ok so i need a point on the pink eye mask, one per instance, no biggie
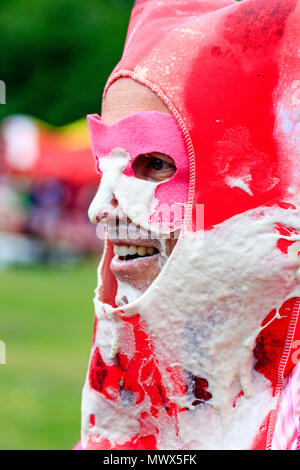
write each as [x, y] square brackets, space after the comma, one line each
[144, 133]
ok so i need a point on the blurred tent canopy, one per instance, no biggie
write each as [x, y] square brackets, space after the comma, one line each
[33, 148]
[57, 54]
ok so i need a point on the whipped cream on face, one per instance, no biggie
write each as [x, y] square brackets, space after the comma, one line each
[111, 168]
[220, 289]
[126, 293]
[231, 280]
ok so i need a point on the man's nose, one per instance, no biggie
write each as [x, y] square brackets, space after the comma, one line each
[108, 212]
[104, 206]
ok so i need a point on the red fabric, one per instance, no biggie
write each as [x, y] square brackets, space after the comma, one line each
[271, 340]
[211, 74]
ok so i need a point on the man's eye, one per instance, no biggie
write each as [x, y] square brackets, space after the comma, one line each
[154, 167]
[157, 164]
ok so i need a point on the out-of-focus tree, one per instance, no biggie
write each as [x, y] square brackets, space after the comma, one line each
[55, 55]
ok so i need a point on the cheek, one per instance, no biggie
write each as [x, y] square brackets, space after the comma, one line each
[153, 206]
[136, 198]
[164, 202]
[159, 207]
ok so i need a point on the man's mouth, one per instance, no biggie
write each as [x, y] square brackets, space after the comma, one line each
[136, 262]
[130, 252]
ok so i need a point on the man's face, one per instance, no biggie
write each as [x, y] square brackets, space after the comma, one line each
[137, 259]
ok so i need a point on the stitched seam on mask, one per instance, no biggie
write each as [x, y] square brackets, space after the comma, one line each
[281, 369]
[181, 123]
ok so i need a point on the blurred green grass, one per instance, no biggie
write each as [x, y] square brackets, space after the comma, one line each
[46, 322]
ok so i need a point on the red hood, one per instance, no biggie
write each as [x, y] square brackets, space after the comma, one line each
[217, 64]
[228, 73]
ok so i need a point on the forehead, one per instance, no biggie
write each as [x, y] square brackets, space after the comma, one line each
[125, 97]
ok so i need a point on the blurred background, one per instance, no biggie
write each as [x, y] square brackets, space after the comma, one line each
[55, 58]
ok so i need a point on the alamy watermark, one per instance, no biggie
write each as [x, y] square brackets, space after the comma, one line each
[296, 353]
[2, 352]
[2, 92]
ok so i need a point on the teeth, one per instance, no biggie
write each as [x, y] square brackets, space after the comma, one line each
[132, 250]
[142, 250]
[124, 250]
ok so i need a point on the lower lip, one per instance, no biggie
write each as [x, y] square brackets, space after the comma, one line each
[132, 266]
